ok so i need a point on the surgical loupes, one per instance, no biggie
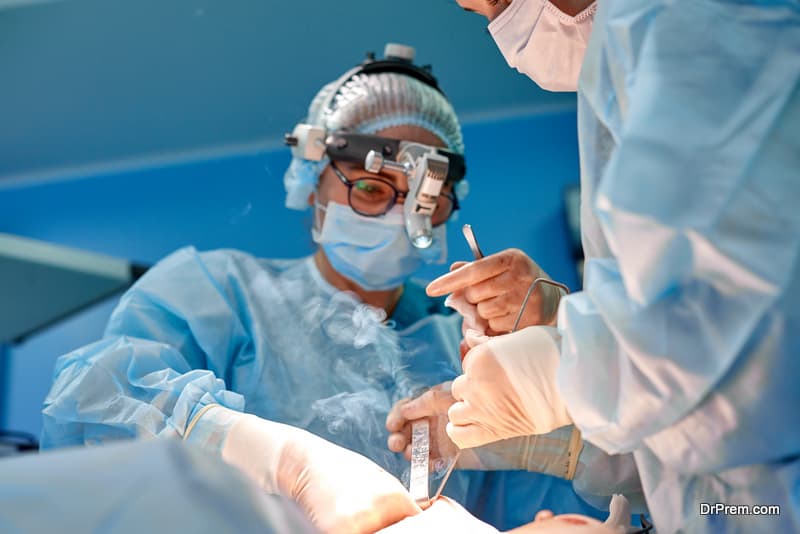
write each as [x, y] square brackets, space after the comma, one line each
[426, 171]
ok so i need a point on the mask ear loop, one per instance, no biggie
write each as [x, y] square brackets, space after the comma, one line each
[316, 224]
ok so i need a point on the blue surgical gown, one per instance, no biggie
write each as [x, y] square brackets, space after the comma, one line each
[689, 125]
[272, 338]
[137, 487]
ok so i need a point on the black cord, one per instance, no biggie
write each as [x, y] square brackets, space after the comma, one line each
[647, 526]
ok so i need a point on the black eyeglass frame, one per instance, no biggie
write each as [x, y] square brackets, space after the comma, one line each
[397, 194]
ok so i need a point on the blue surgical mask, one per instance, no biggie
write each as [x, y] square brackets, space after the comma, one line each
[374, 252]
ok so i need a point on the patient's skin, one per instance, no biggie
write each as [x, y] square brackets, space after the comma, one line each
[547, 523]
[492, 9]
[446, 515]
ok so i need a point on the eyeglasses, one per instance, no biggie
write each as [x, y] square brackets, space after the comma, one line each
[373, 197]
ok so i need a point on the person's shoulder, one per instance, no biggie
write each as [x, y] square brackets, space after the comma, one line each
[218, 270]
[217, 263]
[189, 256]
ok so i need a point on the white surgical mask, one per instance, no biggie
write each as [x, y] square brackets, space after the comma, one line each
[542, 42]
[373, 252]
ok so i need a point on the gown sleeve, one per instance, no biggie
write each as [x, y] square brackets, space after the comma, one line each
[166, 353]
[682, 342]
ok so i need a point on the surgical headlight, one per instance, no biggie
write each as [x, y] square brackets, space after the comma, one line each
[427, 168]
[426, 171]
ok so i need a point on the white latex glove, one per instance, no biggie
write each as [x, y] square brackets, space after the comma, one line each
[508, 389]
[471, 321]
[496, 285]
[444, 515]
[619, 514]
[340, 490]
[555, 453]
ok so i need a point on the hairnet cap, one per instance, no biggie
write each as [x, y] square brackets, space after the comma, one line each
[367, 104]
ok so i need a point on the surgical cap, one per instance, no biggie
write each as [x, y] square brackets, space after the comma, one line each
[367, 104]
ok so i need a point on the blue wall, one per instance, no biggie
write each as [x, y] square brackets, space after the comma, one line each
[518, 169]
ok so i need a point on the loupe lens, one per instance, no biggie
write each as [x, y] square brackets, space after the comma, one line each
[422, 241]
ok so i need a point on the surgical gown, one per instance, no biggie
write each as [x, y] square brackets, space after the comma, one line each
[689, 124]
[137, 487]
[272, 338]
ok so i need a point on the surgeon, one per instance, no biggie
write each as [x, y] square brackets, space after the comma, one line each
[680, 351]
[288, 368]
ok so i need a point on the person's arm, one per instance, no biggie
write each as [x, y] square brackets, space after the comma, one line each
[339, 490]
[600, 475]
[596, 475]
[684, 343]
[554, 453]
[166, 354]
[161, 371]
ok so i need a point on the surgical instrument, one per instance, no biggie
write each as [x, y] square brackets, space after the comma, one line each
[530, 292]
[469, 235]
[418, 485]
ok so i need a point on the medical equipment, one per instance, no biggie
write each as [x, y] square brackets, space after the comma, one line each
[42, 283]
[532, 287]
[426, 171]
[646, 526]
[427, 168]
[12, 443]
[420, 452]
[469, 235]
[373, 252]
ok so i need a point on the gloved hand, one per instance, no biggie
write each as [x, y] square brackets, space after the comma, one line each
[433, 405]
[471, 321]
[508, 389]
[554, 454]
[497, 285]
[444, 515]
[340, 490]
[619, 514]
